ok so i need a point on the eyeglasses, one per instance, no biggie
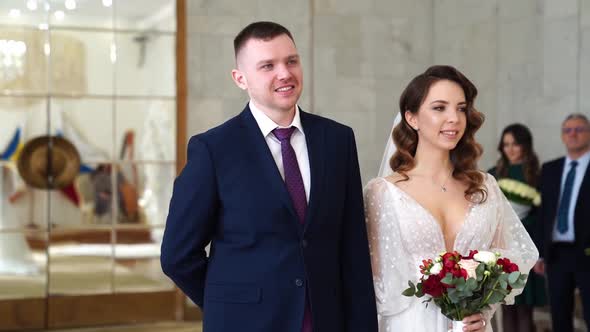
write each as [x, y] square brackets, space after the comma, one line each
[577, 130]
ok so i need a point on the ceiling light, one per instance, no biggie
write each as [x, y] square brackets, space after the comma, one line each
[14, 13]
[43, 26]
[32, 4]
[107, 3]
[59, 15]
[70, 4]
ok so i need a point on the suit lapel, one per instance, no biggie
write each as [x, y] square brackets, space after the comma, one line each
[315, 140]
[584, 192]
[265, 161]
[554, 188]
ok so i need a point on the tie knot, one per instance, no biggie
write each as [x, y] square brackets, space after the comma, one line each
[283, 134]
[574, 163]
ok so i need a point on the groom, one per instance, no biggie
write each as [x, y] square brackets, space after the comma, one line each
[277, 193]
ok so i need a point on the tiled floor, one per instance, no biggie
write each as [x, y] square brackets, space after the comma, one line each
[155, 327]
[541, 317]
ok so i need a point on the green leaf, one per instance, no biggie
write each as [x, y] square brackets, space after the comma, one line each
[419, 292]
[454, 296]
[471, 284]
[410, 291]
[460, 286]
[519, 284]
[480, 269]
[503, 277]
[448, 279]
[496, 297]
[512, 277]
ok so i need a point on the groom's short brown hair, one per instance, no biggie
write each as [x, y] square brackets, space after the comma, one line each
[263, 30]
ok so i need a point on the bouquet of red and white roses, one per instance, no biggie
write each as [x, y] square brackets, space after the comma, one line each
[464, 285]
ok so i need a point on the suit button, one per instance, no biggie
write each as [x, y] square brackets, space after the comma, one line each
[298, 282]
[304, 243]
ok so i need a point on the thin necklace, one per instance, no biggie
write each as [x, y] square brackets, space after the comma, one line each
[443, 186]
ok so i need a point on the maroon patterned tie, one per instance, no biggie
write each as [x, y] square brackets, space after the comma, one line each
[296, 189]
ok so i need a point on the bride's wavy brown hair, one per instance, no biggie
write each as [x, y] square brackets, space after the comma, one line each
[465, 155]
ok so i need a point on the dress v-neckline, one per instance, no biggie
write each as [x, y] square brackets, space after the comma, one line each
[433, 218]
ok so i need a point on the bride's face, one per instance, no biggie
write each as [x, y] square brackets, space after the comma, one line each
[441, 119]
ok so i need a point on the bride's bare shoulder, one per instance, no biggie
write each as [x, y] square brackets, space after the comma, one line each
[395, 178]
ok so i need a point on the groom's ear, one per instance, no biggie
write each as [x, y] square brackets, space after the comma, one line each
[239, 78]
[411, 119]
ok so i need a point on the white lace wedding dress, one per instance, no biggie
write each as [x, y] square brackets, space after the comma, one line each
[402, 233]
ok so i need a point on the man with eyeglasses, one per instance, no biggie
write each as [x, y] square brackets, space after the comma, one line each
[564, 225]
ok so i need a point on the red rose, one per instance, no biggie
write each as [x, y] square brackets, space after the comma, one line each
[450, 260]
[507, 265]
[511, 268]
[448, 265]
[459, 273]
[432, 286]
[471, 254]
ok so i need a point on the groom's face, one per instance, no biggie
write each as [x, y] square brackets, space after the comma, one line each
[270, 71]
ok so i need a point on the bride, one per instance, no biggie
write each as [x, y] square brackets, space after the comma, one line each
[432, 199]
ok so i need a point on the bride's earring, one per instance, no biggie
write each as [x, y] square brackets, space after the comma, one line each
[417, 129]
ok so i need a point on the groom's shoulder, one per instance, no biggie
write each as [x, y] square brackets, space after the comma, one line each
[220, 132]
[328, 124]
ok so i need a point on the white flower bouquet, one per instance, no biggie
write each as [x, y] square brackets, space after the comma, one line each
[519, 192]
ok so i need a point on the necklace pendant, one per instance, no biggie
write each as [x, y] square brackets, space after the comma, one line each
[443, 188]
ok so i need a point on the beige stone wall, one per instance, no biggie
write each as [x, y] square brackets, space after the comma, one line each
[528, 58]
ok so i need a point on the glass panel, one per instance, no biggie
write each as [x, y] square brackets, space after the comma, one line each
[81, 13]
[22, 265]
[24, 13]
[87, 123]
[21, 119]
[23, 60]
[81, 261]
[82, 62]
[145, 190]
[145, 130]
[137, 267]
[87, 203]
[146, 15]
[145, 64]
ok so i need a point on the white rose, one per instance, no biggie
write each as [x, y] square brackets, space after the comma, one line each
[469, 266]
[485, 257]
[436, 268]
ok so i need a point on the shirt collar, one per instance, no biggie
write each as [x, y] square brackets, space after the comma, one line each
[582, 161]
[267, 125]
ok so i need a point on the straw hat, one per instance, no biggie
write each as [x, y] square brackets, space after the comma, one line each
[33, 163]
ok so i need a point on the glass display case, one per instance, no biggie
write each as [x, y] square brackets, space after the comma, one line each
[102, 75]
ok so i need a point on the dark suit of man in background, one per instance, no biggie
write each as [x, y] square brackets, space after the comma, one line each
[277, 193]
[564, 229]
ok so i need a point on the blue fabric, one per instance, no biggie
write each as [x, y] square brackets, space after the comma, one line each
[12, 146]
[566, 196]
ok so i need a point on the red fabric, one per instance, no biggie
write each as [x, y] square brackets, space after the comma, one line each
[71, 194]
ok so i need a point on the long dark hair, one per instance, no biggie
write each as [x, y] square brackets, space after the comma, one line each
[530, 161]
[465, 155]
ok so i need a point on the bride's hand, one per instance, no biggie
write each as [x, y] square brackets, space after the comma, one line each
[475, 322]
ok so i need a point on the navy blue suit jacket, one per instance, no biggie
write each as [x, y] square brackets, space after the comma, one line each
[230, 194]
[550, 184]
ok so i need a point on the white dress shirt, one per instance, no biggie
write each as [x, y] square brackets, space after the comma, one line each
[298, 143]
[583, 161]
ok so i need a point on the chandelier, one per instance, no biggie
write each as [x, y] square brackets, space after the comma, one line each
[12, 58]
